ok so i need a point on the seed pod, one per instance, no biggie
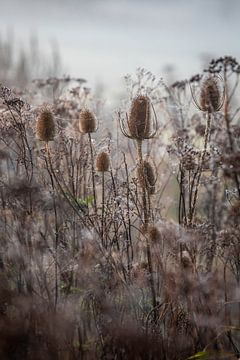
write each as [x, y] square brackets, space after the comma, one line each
[102, 162]
[146, 177]
[45, 126]
[210, 95]
[139, 118]
[87, 122]
[153, 234]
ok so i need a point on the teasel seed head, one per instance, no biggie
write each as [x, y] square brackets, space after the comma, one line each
[139, 121]
[87, 122]
[139, 118]
[146, 176]
[102, 162]
[212, 94]
[45, 126]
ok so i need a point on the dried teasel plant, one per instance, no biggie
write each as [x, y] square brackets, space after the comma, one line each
[102, 165]
[102, 162]
[139, 124]
[88, 125]
[209, 100]
[45, 128]
[87, 122]
[139, 127]
[210, 95]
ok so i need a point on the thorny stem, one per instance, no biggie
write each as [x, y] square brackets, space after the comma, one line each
[200, 168]
[93, 173]
[146, 221]
[144, 197]
[56, 223]
[103, 205]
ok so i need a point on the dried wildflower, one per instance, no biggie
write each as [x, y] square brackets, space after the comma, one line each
[153, 233]
[146, 176]
[45, 126]
[87, 122]
[102, 162]
[211, 94]
[139, 120]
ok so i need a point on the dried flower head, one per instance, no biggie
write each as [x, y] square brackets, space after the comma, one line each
[139, 125]
[146, 176]
[139, 118]
[102, 162]
[211, 94]
[45, 126]
[153, 233]
[87, 122]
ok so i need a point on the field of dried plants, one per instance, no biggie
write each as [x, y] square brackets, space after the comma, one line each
[120, 231]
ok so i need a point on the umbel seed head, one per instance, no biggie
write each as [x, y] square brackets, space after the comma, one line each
[87, 122]
[45, 126]
[139, 118]
[210, 95]
[102, 162]
[146, 176]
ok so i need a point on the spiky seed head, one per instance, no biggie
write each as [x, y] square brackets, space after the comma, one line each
[146, 176]
[153, 234]
[45, 126]
[139, 118]
[87, 122]
[102, 162]
[210, 95]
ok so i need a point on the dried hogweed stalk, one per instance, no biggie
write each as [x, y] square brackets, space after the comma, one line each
[87, 122]
[102, 162]
[45, 126]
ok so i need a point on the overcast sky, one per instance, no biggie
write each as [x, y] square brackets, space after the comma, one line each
[102, 40]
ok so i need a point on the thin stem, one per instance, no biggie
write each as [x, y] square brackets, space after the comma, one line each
[93, 173]
[200, 168]
[48, 159]
[103, 205]
[146, 221]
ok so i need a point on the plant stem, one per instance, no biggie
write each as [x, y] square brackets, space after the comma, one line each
[200, 168]
[93, 173]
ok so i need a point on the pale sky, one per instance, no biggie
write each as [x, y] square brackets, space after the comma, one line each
[102, 40]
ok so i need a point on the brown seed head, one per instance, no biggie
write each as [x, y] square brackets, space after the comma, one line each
[146, 176]
[102, 162]
[139, 118]
[87, 122]
[210, 95]
[153, 234]
[45, 126]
